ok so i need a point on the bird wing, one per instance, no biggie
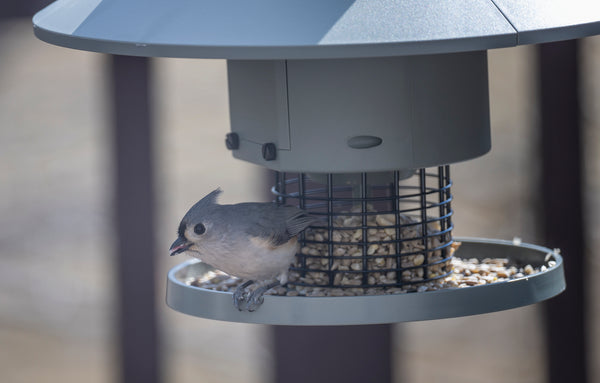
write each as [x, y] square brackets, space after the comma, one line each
[278, 224]
[299, 221]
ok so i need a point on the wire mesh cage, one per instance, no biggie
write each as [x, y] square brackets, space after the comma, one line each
[387, 230]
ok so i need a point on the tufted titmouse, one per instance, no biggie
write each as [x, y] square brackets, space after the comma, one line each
[253, 241]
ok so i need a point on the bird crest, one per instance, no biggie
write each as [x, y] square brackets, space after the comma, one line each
[209, 200]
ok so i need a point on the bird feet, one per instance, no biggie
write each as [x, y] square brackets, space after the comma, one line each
[245, 300]
[241, 295]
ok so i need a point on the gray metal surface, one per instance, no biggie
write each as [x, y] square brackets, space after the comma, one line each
[447, 303]
[277, 29]
[312, 109]
[540, 21]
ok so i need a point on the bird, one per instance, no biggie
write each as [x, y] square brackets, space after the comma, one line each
[254, 241]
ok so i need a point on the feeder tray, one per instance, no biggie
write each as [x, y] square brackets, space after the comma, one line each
[373, 309]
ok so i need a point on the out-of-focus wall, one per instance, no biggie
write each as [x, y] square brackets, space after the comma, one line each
[591, 121]
[55, 265]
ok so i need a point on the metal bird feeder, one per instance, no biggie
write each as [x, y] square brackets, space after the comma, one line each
[359, 106]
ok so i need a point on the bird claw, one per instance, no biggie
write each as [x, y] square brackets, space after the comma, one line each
[244, 300]
[240, 296]
[239, 300]
[254, 301]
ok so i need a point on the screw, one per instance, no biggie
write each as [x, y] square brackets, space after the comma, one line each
[269, 151]
[232, 141]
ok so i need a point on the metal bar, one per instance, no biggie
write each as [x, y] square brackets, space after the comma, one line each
[562, 212]
[423, 187]
[301, 204]
[365, 243]
[134, 213]
[330, 226]
[398, 246]
[333, 354]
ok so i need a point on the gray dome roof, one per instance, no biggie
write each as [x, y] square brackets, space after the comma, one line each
[279, 29]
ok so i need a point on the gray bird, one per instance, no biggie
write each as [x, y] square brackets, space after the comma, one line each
[253, 241]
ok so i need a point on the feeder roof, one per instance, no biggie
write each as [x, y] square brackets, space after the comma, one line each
[295, 29]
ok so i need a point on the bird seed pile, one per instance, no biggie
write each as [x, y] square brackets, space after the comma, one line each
[466, 273]
[373, 261]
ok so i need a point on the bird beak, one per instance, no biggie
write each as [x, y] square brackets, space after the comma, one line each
[179, 246]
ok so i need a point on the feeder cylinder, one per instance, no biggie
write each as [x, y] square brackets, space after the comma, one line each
[360, 115]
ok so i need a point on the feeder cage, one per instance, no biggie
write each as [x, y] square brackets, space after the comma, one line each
[359, 107]
[380, 234]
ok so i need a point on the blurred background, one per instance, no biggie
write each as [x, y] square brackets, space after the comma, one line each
[57, 280]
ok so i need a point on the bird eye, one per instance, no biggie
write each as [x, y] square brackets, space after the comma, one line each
[199, 229]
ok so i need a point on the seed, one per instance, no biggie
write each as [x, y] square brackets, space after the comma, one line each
[502, 274]
[357, 253]
[319, 237]
[356, 266]
[280, 290]
[335, 265]
[337, 279]
[395, 290]
[336, 236]
[528, 270]
[435, 226]
[418, 259]
[349, 222]
[390, 263]
[385, 219]
[372, 248]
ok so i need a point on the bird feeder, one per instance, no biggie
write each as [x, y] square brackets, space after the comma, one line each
[360, 106]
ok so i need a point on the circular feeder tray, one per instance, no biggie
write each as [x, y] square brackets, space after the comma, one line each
[374, 309]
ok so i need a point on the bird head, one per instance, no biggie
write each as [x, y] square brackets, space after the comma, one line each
[196, 225]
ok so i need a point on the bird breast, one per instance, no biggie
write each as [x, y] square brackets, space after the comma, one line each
[257, 259]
